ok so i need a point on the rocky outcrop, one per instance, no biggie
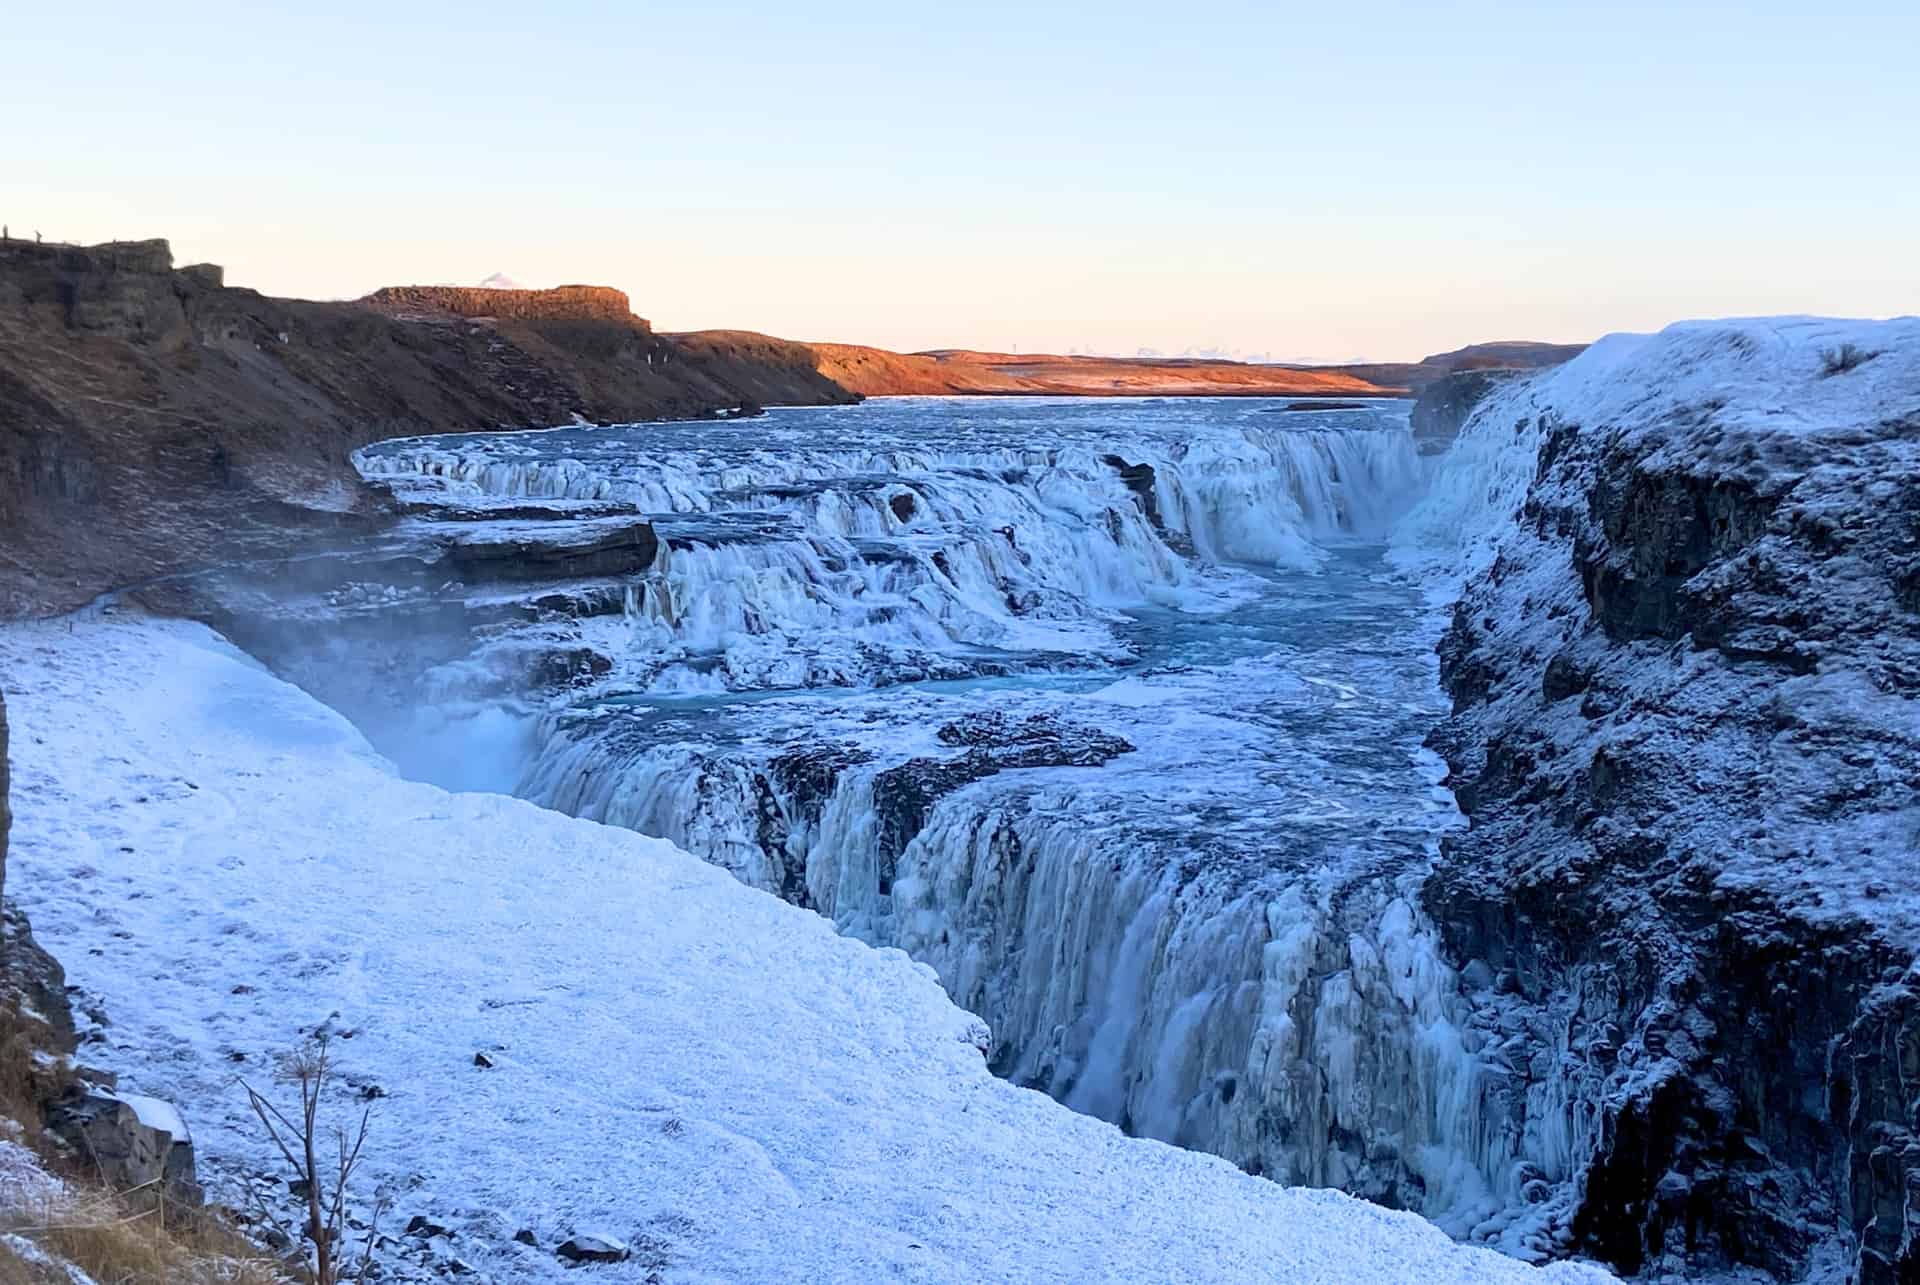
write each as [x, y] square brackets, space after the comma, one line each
[1141, 480]
[1442, 407]
[764, 370]
[153, 420]
[562, 303]
[1686, 730]
[904, 796]
[593, 1247]
[131, 1143]
[6, 808]
[606, 547]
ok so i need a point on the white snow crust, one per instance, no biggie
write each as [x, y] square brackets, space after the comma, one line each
[714, 1077]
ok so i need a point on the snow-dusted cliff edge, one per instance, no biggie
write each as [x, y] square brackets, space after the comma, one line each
[1686, 729]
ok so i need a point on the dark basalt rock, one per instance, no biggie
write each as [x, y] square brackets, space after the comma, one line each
[564, 667]
[555, 553]
[1039, 740]
[1564, 678]
[794, 791]
[1660, 530]
[809, 775]
[1443, 406]
[994, 743]
[1140, 479]
[1744, 1048]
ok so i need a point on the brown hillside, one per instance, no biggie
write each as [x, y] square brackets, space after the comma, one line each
[152, 418]
[876, 372]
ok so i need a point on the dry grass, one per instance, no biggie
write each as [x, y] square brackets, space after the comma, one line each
[116, 1239]
[116, 1242]
[1845, 358]
[126, 1239]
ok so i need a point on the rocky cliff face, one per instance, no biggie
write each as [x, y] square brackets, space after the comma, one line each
[33, 994]
[763, 367]
[6, 808]
[153, 419]
[562, 303]
[1687, 731]
[1442, 408]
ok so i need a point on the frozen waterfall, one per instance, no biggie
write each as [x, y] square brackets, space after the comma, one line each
[1111, 716]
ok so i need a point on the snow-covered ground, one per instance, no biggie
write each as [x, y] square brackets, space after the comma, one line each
[679, 1061]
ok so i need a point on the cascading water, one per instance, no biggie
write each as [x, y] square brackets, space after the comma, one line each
[1111, 714]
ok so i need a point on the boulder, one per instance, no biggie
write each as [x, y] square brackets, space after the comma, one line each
[592, 1247]
[424, 1227]
[135, 1143]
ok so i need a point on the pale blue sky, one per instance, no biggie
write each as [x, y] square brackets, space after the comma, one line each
[1315, 182]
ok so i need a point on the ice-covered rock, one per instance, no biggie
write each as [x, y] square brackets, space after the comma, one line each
[1686, 679]
[1442, 408]
[593, 1247]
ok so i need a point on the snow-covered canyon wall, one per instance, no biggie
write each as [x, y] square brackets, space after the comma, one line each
[1686, 729]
